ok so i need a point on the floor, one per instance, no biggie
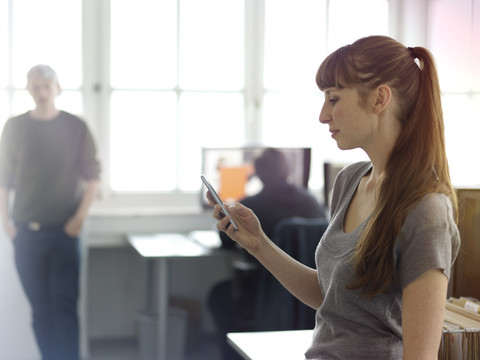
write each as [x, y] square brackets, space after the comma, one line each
[204, 348]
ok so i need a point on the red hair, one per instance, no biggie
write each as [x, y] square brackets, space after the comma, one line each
[417, 165]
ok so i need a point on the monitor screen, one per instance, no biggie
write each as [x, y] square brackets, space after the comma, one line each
[231, 170]
[330, 172]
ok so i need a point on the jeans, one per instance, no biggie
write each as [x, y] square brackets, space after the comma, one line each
[48, 263]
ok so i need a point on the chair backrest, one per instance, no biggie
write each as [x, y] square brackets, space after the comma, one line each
[276, 308]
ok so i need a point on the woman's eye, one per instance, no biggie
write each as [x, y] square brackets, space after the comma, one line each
[333, 101]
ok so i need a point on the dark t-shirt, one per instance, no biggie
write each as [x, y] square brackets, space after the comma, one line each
[45, 163]
[274, 204]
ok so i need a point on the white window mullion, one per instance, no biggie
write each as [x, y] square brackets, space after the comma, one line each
[254, 61]
[10, 87]
[178, 94]
[96, 80]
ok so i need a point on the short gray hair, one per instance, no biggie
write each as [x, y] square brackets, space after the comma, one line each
[43, 71]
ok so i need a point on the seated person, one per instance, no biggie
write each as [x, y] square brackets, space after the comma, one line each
[232, 302]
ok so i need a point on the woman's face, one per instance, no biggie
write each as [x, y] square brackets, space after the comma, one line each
[349, 121]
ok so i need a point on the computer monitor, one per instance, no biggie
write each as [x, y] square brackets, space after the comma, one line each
[231, 170]
[330, 172]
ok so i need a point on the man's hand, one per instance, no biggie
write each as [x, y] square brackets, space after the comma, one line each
[10, 230]
[73, 227]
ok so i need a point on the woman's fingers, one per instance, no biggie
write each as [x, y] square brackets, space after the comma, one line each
[210, 198]
[223, 224]
[217, 212]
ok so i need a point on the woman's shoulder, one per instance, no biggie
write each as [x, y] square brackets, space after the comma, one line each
[429, 239]
[346, 179]
[433, 210]
[354, 170]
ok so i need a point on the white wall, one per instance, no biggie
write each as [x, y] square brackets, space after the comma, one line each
[16, 336]
[17, 341]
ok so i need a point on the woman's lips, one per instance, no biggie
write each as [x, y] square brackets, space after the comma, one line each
[334, 132]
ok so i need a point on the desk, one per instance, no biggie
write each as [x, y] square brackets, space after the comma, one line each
[278, 345]
[161, 248]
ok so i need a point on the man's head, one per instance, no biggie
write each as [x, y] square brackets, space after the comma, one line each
[271, 166]
[42, 84]
[44, 72]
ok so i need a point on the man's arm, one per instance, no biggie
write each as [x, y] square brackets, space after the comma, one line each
[73, 227]
[7, 224]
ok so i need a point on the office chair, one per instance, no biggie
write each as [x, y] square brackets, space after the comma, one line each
[276, 308]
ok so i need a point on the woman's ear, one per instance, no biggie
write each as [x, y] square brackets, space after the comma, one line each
[382, 96]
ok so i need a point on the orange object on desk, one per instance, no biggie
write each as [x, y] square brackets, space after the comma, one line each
[233, 180]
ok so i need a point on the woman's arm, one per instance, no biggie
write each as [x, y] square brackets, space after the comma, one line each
[423, 308]
[300, 280]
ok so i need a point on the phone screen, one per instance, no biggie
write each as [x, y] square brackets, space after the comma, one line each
[218, 200]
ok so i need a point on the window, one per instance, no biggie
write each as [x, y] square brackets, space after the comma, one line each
[35, 33]
[454, 39]
[158, 80]
[177, 81]
[293, 53]
[4, 68]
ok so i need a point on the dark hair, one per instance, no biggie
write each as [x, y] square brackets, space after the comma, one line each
[417, 165]
[271, 166]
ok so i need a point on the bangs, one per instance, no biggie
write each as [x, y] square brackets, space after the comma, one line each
[335, 70]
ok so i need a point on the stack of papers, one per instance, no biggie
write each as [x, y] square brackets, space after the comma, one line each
[461, 334]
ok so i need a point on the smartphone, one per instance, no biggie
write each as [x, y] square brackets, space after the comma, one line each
[218, 200]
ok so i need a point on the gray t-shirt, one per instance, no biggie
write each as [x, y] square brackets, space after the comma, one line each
[46, 164]
[350, 327]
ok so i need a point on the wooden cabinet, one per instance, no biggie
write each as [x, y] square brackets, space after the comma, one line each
[466, 276]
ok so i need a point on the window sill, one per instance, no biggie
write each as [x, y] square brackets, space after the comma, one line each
[147, 205]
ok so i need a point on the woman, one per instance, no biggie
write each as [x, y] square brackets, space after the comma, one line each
[384, 262]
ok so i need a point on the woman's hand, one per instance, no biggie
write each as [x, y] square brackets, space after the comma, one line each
[249, 235]
[300, 280]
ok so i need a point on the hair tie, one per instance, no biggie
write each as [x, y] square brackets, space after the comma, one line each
[412, 52]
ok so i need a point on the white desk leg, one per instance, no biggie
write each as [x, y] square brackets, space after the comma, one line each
[150, 286]
[163, 287]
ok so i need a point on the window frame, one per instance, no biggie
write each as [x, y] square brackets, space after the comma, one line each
[97, 92]
[408, 22]
[97, 105]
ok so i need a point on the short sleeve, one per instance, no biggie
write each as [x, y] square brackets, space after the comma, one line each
[429, 239]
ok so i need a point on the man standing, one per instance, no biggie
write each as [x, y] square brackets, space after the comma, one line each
[48, 160]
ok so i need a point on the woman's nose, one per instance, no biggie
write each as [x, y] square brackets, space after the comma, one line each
[324, 115]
